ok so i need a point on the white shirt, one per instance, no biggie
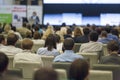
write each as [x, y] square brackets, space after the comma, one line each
[91, 47]
[27, 56]
[10, 50]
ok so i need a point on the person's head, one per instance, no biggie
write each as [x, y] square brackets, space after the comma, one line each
[34, 13]
[12, 39]
[45, 74]
[77, 32]
[57, 37]
[113, 46]
[103, 34]
[27, 44]
[69, 31]
[37, 35]
[50, 42]
[7, 28]
[86, 31]
[24, 24]
[79, 70]
[68, 44]
[3, 62]
[2, 39]
[93, 36]
[115, 32]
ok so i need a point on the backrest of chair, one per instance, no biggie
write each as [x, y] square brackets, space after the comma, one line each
[62, 75]
[76, 47]
[36, 47]
[100, 75]
[10, 65]
[105, 50]
[114, 68]
[62, 65]
[93, 57]
[27, 68]
[47, 61]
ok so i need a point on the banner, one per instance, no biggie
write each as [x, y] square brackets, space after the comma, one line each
[37, 9]
[5, 14]
[18, 13]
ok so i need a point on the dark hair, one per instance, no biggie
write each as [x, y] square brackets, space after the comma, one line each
[37, 35]
[57, 37]
[50, 42]
[69, 31]
[113, 46]
[93, 36]
[13, 28]
[12, 39]
[45, 74]
[2, 38]
[79, 69]
[3, 62]
[68, 44]
[115, 32]
[86, 31]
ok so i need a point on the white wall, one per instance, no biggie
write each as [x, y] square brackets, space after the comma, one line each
[6, 2]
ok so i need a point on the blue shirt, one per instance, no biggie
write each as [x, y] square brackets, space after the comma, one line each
[104, 40]
[113, 37]
[67, 56]
[44, 51]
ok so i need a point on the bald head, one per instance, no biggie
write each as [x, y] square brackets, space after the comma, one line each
[68, 44]
[27, 44]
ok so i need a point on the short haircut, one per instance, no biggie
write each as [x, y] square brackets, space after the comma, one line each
[3, 62]
[79, 69]
[12, 39]
[113, 46]
[69, 31]
[2, 38]
[86, 31]
[68, 44]
[103, 34]
[93, 36]
[37, 35]
[27, 44]
[50, 42]
[45, 74]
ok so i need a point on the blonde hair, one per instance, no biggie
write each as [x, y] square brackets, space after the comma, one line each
[77, 32]
[7, 28]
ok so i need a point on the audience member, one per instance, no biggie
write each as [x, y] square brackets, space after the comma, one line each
[10, 49]
[59, 43]
[2, 41]
[92, 45]
[37, 38]
[3, 64]
[69, 34]
[84, 38]
[113, 57]
[26, 55]
[79, 70]
[103, 38]
[68, 55]
[45, 74]
[77, 33]
[49, 48]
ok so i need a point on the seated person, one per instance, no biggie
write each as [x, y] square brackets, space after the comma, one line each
[68, 55]
[113, 57]
[49, 48]
[92, 45]
[10, 49]
[79, 70]
[26, 55]
[103, 38]
[2, 41]
[45, 74]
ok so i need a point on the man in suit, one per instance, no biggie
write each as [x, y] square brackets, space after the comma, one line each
[113, 57]
[35, 18]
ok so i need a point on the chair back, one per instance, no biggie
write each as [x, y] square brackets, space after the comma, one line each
[76, 47]
[47, 61]
[10, 65]
[62, 75]
[114, 68]
[100, 75]
[27, 68]
[62, 65]
[105, 50]
[36, 47]
[93, 57]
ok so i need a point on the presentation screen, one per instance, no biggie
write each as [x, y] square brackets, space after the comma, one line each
[81, 1]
